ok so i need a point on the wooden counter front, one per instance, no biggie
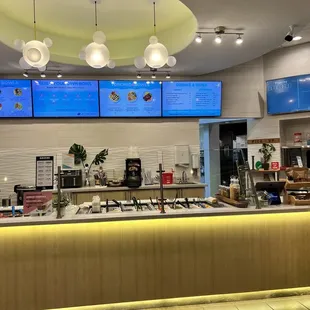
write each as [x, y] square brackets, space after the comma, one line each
[83, 194]
[54, 266]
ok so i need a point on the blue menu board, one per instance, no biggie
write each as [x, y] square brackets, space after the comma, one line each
[58, 98]
[192, 99]
[288, 95]
[130, 99]
[15, 98]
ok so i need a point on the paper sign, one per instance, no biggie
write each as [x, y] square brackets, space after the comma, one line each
[37, 202]
[299, 160]
[68, 161]
[44, 172]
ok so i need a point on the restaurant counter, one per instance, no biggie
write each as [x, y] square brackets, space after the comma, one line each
[109, 258]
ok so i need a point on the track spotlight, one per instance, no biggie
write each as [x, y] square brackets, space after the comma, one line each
[218, 39]
[168, 76]
[59, 75]
[153, 76]
[138, 76]
[43, 75]
[239, 40]
[25, 74]
[198, 38]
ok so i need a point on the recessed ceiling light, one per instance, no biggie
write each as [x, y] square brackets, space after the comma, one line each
[218, 39]
[239, 40]
[43, 75]
[297, 38]
[138, 76]
[198, 38]
[153, 76]
[168, 76]
[59, 75]
[25, 74]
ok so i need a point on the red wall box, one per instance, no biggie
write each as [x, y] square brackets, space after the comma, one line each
[167, 178]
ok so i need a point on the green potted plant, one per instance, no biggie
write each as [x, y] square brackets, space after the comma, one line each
[266, 150]
[80, 155]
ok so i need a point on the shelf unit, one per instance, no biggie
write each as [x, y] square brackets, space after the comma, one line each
[290, 186]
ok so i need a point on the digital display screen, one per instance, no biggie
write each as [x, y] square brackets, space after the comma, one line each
[288, 95]
[58, 98]
[192, 99]
[15, 98]
[130, 99]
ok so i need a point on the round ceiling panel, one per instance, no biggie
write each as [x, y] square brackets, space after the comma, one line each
[126, 24]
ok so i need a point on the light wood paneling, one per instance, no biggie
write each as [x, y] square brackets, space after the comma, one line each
[96, 263]
[193, 192]
[79, 198]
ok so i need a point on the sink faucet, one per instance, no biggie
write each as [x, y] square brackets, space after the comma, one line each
[184, 177]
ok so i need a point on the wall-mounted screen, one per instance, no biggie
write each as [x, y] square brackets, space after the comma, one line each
[288, 95]
[15, 98]
[59, 98]
[192, 99]
[130, 99]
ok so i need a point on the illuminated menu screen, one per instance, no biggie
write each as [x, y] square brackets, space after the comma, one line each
[15, 98]
[55, 98]
[288, 95]
[192, 99]
[130, 99]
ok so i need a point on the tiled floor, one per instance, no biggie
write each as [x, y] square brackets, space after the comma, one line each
[288, 303]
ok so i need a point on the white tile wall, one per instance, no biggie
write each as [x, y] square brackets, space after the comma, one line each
[21, 141]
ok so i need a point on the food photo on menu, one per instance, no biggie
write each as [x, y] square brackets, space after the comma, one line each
[130, 99]
[15, 99]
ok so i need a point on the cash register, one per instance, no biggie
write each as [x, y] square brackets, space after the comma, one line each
[274, 190]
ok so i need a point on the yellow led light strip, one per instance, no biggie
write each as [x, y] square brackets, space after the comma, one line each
[185, 301]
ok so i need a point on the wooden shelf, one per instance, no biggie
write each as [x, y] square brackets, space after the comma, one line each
[293, 186]
[235, 203]
[297, 185]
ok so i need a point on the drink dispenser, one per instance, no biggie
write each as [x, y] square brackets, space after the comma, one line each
[133, 172]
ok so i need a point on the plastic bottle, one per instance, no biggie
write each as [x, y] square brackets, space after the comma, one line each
[231, 188]
[237, 189]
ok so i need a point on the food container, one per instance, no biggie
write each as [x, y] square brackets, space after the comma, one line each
[297, 138]
[167, 178]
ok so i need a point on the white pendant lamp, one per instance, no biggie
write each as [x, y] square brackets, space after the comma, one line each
[35, 53]
[96, 54]
[156, 54]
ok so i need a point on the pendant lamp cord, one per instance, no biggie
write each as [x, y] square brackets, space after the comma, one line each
[96, 16]
[34, 20]
[154, 11]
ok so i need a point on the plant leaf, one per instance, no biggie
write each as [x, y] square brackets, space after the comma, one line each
[78, 151]
[101, 157]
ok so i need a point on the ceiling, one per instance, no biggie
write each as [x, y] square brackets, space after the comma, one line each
[128, 24]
